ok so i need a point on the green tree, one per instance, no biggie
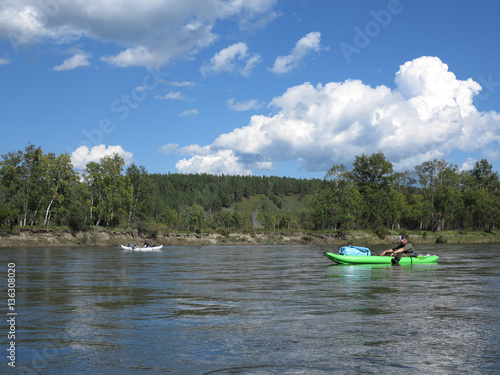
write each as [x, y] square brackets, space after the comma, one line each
[141, 204]
[80, 206]
[34, 170]
[414, 212]
[287, 220]
[447, 197]
[12, 183]
[238, 220]
[110, 191]
[61, 178]
[195, 217]
[373, 176]
[484, 177]
[24, 175]
[224, 219]
[428, 178]
[324, 209]
[169, 216]
[481, 196]
[7, 218]
[373, 171]
[346, 200]
[394, 208]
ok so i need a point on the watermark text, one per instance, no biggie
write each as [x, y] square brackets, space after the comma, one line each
[11, 314]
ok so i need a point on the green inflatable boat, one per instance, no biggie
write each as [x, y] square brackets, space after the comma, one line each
[377, 259]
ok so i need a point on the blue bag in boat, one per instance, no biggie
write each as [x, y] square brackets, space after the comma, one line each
[354, 250]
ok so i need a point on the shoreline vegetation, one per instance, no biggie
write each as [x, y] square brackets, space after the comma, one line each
[45, 201]
[99, 237]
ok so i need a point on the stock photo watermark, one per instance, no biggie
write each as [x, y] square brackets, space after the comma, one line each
[363, 36]
[489, 87]
[37, 18]
[122, 108]
[11, 314]
[39, 359]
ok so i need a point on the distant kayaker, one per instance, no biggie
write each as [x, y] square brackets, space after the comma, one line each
[145, 244]
[404, 249]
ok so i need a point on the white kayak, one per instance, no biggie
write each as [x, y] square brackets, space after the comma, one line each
[140, 248]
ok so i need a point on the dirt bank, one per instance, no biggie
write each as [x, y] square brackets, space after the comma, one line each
[34, 237]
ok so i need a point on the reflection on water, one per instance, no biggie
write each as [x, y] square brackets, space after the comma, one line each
[254, 310]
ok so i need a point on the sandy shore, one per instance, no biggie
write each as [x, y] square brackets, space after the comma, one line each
[34, 237]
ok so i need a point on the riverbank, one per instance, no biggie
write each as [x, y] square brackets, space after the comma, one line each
[98, 237]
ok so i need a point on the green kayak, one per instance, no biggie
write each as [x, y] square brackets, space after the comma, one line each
[377, 259]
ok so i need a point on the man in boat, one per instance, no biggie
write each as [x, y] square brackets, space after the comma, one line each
[404, 249]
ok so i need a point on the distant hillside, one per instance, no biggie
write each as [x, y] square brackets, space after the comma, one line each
[44, 190]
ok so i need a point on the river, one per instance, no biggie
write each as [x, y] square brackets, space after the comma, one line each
[249, 310]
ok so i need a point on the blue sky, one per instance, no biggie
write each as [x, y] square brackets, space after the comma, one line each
[261, 87]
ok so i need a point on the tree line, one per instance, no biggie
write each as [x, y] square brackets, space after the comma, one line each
[38, 189]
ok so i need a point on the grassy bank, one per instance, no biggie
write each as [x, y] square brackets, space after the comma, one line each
[34, 237]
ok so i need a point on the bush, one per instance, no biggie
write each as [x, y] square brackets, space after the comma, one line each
[223, 232]
[76, 219]
[441, 239]
[7, 219]
[341, 234]
[145, 229]
[381, 232]
[88, 239]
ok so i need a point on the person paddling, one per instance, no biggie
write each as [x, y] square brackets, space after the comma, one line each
[404, 249]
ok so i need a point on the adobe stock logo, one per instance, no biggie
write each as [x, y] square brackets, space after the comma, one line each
[364, 36]
[121, 107]
[36, 18]
[489, 87]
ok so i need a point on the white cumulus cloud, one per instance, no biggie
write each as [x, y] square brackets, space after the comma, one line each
[221, 162]
[427, 115]
[169, 148]
[82, 155]
[243, 106]
[79, 59]
[150, 33]
[188, 112]
[232, 59]
[306, 45]
[172, 95]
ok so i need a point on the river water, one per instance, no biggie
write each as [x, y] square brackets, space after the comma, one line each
[250, 310]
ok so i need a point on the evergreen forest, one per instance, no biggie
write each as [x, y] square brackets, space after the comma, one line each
[39, 189]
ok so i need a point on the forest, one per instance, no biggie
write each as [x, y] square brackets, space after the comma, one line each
[38, 189]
